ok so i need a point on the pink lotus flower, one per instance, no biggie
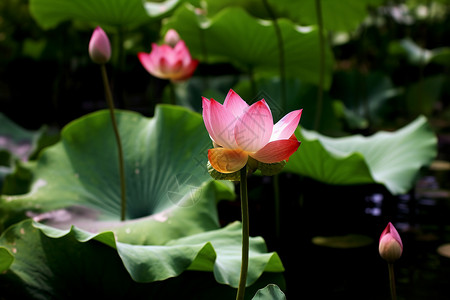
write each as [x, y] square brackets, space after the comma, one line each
[390, 244]
[99, 47]
[241, 131]
[166, 62]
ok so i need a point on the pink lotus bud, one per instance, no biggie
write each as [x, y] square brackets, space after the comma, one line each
[166, 62]
[99, 47]
[390, 245]
[171, 38]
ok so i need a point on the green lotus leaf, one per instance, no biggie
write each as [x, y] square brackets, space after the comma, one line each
[344, 15]
[389, 158]
[249, 43]
[172, 224]
[50, 13]
[227, 269]
[6, 259]
[270, 292]
[76, 181]
[62, 264]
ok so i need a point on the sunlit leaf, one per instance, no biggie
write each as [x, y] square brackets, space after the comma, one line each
[50, 13]
[63, 264]
[250, 43]
[389, 158]
[172, 224]
[165, 164]
[270, 292]
[343, 15]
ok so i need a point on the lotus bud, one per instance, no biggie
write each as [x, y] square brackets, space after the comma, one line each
[390, 244]
[99, 47]
[171, 38]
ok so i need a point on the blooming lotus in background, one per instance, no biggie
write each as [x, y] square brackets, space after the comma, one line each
[240, 132]
[390, 244]
[99, 46]
[166, 62]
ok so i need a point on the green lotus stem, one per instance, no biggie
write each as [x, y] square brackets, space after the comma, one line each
[321, 66]
[392, 281]
[276, 190]
[282, 69]
[118, 74]
[109, 100]
[251, 77]
[245, 234]
[281, 59]
[172, 92]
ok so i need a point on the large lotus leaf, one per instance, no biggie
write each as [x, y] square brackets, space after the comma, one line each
[389, 158]
[76, 181]
[18, 141]
[170, 196]
[63, 264]
[270, 292]
[338, 15]
[49, 13]
[250, 43]
[342, 15]
[227, 269]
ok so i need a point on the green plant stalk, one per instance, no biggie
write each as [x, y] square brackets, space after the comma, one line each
[251, 77]
[282, 70]
[109, 100]
[321, 66]
[276, 190]
[118, 74]
[172, 92]
[392, 281]
[281, 59]
[245, 234]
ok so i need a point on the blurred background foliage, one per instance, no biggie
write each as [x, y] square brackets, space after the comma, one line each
[388, 60]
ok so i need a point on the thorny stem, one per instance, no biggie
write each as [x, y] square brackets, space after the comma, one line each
[321, 66]
[110, 102]
[245, 234]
